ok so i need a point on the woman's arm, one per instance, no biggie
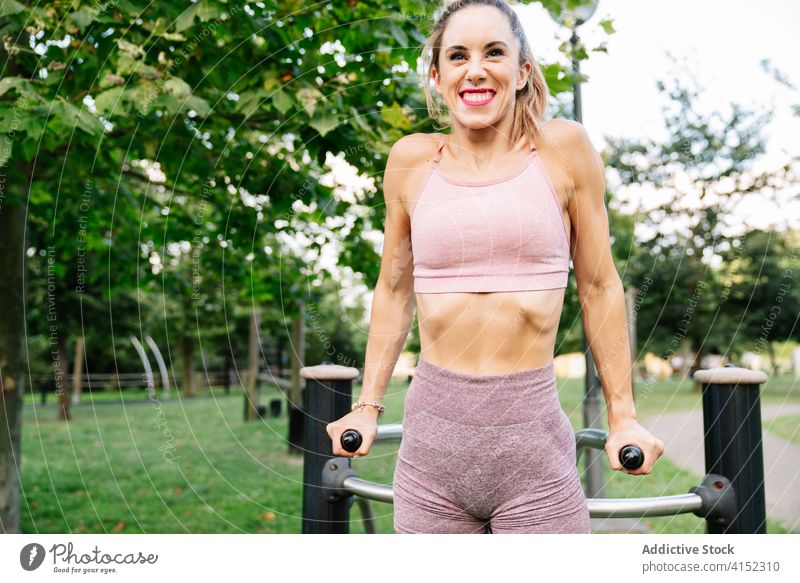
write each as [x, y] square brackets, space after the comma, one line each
[601, 294]
[393, 300]
[599, 286]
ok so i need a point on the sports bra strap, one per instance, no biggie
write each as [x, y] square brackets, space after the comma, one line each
[438, 155]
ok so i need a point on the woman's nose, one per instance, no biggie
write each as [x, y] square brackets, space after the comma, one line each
[475, 69]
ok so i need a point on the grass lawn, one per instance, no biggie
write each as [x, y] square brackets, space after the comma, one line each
[193, 465]
[787, 427]
[129, 394]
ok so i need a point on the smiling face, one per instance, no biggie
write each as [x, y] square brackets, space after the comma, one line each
[479, 72]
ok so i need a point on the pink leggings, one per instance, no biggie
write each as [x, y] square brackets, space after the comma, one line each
[487, 454]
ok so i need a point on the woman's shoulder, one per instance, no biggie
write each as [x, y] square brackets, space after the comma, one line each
[406, 168]
[565, 133]
[567, 141]
[416, 149]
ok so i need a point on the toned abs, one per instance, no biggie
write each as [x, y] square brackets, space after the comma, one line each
[487, 333]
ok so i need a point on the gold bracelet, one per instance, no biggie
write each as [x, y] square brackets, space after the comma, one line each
[361, 404]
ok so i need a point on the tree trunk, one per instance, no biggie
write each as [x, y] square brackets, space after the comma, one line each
[772, 358]
[298, 356]
[251, 396]
[12, 350]
[187, 353]
[77, 370]
[62, 390]
[697, 364]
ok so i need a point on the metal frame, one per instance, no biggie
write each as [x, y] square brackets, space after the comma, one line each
[713, 499]
[730, 496]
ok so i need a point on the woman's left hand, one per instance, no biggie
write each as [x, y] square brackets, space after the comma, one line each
[629, 432]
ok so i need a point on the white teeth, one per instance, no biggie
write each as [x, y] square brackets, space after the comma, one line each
[477, 96]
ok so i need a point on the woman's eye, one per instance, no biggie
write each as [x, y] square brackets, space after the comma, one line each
[499, 51]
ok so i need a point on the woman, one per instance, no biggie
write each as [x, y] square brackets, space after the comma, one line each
[480, 227]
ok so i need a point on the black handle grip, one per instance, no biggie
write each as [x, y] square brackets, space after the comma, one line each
[631, 457]
[351, 440]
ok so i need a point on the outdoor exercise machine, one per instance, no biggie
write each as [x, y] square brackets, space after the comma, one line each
[730, 497]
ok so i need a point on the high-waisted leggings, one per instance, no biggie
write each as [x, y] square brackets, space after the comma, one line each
[487, 454]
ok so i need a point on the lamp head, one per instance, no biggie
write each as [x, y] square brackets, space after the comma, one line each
[573, 13]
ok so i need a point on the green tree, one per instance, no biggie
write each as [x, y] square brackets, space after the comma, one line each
[761, 290]
[162, 111]
[703, 169]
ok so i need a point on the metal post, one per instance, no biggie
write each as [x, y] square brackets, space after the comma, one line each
[296, 429]
[328, 396]
[162, 366]
[148, 370]
[595, 478]
[732, 425]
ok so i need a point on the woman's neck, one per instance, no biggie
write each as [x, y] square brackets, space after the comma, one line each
[481, 149]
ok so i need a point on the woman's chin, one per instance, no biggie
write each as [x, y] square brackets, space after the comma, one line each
[475, 122]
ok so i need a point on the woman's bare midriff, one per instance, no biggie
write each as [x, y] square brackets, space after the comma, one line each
[493, 332]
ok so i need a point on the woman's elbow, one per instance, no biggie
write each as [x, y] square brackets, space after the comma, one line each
[401, 291]
[600, 287]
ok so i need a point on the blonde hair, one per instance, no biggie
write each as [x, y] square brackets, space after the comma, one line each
[532, 99]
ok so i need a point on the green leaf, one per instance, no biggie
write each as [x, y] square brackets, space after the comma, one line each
[357, 118]
[23, 87]
[324, 123]
[199, 105]
[399, 35]
[308, 98]
[282, 101]
[207, 10]
[141, 96]
[75, 117]
[129, 48]
[608, 26]
[108, 100]
[5, 151]
[177, 87]
[249, 102]
[127, 65]
[82, 18]
[168, 102]
[40, 196]
[131, 8]
[557, 81]
[175, 36]
[19, 120]
[9, 7]
[270, 79]
[396, 115]
[186, 19]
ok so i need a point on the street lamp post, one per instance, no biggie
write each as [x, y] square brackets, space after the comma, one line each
[574, 17]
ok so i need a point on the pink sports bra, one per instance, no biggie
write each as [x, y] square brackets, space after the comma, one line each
[496, 235]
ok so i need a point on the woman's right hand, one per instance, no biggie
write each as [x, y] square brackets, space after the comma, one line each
[363, 420]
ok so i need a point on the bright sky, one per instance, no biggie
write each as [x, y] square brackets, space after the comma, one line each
[722, 43]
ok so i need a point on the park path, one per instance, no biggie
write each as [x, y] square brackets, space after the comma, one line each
[682, 434]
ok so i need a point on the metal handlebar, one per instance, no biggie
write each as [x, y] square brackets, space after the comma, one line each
[710, 499]
[631, 456]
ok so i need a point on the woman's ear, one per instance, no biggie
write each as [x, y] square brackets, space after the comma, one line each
[524, 72]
